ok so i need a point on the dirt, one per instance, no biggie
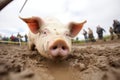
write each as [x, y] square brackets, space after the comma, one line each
[95, 61]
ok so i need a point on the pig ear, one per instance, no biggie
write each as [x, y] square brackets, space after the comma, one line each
[75, 28]
[33, 23]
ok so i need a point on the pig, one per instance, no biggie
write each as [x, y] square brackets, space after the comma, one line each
[51, 38]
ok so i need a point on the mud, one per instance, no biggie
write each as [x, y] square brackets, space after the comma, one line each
[97, 61]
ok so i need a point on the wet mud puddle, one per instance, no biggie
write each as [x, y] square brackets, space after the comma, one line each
[61, 71]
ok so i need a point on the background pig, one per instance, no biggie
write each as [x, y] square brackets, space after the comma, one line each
[51, 38]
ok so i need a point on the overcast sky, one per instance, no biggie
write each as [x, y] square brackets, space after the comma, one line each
[96, 12]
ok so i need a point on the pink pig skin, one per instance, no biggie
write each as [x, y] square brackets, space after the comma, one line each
[51, 38]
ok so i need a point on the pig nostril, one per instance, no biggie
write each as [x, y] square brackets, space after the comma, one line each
[63, 47]
[54, 47]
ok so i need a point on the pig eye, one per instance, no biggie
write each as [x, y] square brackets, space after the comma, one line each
[45, 32]
[67, 34]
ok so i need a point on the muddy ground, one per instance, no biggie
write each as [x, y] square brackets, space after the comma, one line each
[90, 61]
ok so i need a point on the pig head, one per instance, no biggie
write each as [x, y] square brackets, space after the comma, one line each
[51, 38]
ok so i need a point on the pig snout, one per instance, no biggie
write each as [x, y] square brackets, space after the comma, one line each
[59, 48]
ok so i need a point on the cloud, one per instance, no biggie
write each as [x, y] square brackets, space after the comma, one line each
[43, 7]
[96, 12]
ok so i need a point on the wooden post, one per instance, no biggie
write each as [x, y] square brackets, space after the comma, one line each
[4, 3]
